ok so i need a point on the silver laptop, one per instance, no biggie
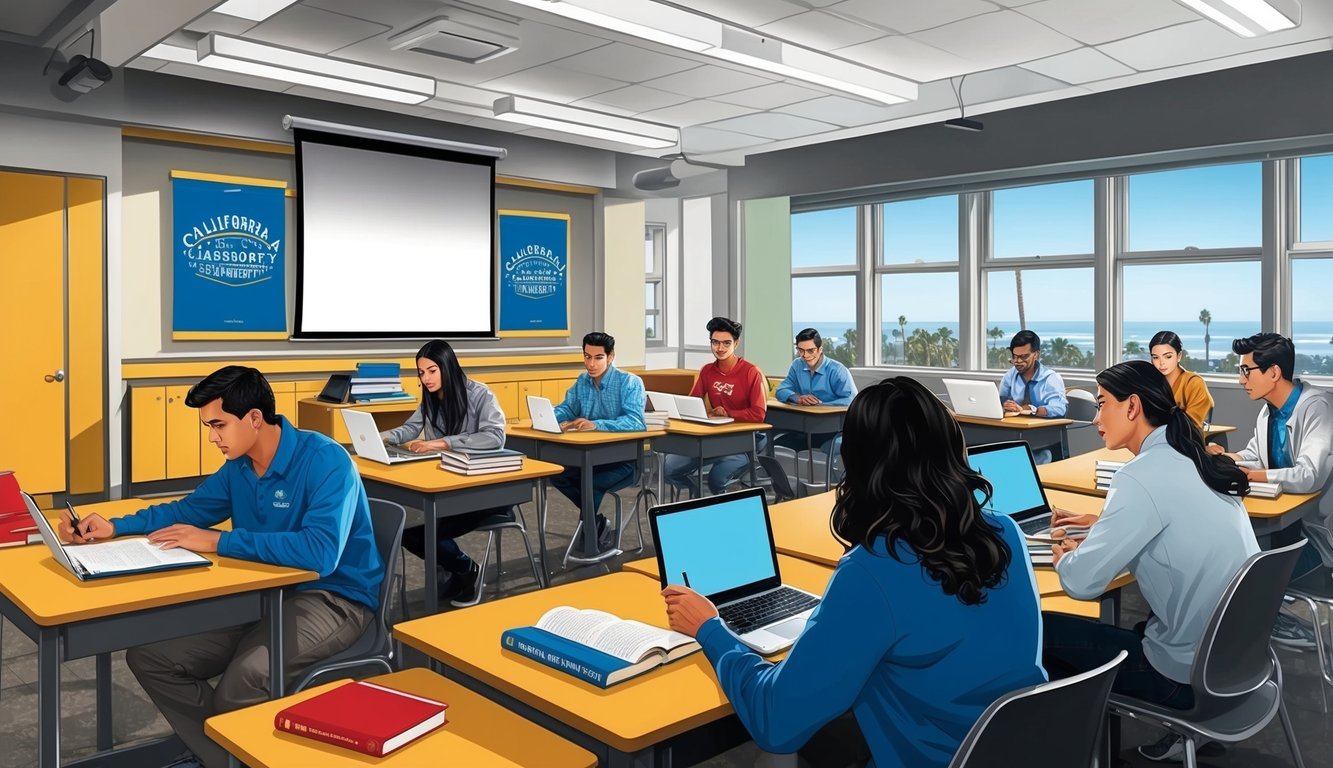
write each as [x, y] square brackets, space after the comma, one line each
[664, 402]
[368, 444]
[722, 547]
[975, 398]
[693, 409]
[543, 415]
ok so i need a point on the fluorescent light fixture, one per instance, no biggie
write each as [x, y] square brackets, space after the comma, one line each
[1249, 18]
[585, 122]
[680, 28]
[232, 54]
[254, 10]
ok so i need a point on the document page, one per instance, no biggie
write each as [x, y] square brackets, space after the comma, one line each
[128, 555]
[628, 640]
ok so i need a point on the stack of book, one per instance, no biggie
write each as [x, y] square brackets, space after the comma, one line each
[1265, 490]
[471, 461]
[1105, 471]
[655, 419]
[378, 382]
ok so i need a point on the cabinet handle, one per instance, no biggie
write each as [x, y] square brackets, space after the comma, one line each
[171, 399]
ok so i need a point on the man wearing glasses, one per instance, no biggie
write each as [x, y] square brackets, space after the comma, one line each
[1292, 443]
[1030, 388]
[813, 379]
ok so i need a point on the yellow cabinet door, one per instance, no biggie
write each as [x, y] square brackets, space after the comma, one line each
[554, 390]
[182, 434]
[148, 434]
[506, 394]
[526, 388]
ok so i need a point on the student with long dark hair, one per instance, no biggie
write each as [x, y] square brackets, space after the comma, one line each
[1173, 518]
[931, 615]
[1187, 387]
[455, 412]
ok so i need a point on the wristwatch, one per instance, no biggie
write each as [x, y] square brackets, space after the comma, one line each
[1032, 410]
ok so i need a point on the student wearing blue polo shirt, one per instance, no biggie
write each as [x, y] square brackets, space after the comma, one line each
[1030, 388]
[813, 379]
[294, 499]
[606, 398]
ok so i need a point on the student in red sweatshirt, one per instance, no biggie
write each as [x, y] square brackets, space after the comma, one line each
[731, 386]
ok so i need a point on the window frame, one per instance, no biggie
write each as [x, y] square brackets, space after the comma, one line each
[657, 232]
[853, 270]
[881, 269]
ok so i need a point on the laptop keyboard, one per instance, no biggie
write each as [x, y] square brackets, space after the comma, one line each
[761, 610]
[400, 452]
[1035, 525]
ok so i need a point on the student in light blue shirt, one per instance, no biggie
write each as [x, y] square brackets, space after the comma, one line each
[1030, 388]
[931, 615]
[813, 379]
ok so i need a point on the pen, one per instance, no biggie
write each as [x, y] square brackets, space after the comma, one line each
[686, 576]
[73, 519]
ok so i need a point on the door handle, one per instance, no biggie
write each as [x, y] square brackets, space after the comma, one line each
[57, 376]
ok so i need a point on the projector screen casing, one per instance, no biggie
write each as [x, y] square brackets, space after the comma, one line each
[395, 241]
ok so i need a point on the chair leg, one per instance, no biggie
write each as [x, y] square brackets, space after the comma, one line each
[569, 548]
[1289, 732]
[499, 558]
[481, 575]
[1191, 758]
[402, 589]
[536, 572]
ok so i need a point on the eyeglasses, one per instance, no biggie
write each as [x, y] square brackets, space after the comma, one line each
[807, 352]
[724, 343]
[1244, 370]
[1022, 358]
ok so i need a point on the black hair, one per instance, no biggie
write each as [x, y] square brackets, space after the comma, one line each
[1026, 337]
[807, 334]
[724, 325]
[1269, 349]
[1168, 338]
[907, 479]
[1139, 377]
[242, 390]
[598, 339]
[447, 411]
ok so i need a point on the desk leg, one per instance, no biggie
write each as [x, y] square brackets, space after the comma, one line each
[276, 676]
[541, 531]
[430, 530]
[589, 510]
[48, 698]
[103, 676]
[809, 456]
[1064, 443]
[699, 479]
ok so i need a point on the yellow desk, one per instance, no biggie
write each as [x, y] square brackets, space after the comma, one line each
[440, 492]
[632, 723]
[69, 619]
[319, 416]
[1033, 429]
[709, 441]
[477, 733]
[1217, 433]
[809, 420]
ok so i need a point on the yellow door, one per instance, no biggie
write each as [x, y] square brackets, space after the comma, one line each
[506, 394]
[32, 329]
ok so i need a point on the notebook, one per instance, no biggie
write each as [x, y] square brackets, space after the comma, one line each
[1016, 488]
[693, 409]
[975, 398]
[368, 444]
[118, 557]
[364, 717]
[722, 547]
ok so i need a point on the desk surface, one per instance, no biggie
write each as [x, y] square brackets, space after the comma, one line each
[1013, 422]
[477, 732]
[398, 404]
[1217, 429]
[818, 410]
[630, 716]
[50, 595]
[695, 429]
[426, 475]
[581, 437]
[1078, 474]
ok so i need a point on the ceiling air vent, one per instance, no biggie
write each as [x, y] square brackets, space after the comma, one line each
[462, 35]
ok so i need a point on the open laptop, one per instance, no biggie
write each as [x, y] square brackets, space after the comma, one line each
[1016, 489]
[722, 547]
[543, 415]
[693, 409]
[664, 402]
[975, 398]
[117, 557]
[368, 444]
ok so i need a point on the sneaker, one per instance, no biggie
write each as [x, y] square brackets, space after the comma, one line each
[1291, 632]
[1171, 749]
[463, 587]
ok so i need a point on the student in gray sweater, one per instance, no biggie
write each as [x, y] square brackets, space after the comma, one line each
[455, 412]
[1173, 517]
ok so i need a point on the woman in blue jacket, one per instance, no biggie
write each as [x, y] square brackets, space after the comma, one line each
[931, 615]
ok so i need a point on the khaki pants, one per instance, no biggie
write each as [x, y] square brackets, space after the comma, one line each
[176, 673]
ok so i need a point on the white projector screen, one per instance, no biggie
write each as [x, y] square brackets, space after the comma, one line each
[395, 241]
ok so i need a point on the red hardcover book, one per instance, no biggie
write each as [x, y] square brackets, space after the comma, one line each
[364, 717]
[16, 526]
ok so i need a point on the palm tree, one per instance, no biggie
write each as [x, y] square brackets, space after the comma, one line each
[946, 346]
[902, 333]
[1133, 350]
[996, 333]
[1018, 286]
[1206, 318]
[1062, 352]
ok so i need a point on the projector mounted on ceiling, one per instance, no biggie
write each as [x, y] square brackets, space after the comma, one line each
[82, 73]
[466, 35]
[668, 176]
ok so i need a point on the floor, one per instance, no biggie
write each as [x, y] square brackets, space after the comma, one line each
[136, 719]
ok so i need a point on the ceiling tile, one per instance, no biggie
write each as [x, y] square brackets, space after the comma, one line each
[840, 110]
[1083, 65]
[909, 58]
[399, 14]
[1097, 21]
[770, 96]
[706, 81]
[1181, 44]
[747, 13]
[911, 16]
[821, 31]
[313, 30]
[997, 39]
[696, 139]
[553, 84]
[695, 112]
[773, 125]
[1197, 68]
[632, 100]
[626, 62]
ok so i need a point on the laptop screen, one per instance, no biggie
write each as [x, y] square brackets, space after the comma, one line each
[1016, 488]
[722, 542]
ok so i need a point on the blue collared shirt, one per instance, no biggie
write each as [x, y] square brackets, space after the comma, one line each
[1045, 390]
[831, 382]
[614, 406]
[308, 511]
[1279, 453]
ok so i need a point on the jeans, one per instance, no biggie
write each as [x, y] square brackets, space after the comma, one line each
[448, 554]
[605, 478]
[721, 472]
[1072, 645]
[796, 440]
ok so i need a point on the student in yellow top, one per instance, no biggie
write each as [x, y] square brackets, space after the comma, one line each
[1188, 388]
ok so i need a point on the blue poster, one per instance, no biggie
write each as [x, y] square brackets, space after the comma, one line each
[534, 274]
[227, 257]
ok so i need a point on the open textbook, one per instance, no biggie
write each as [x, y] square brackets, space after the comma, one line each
[595, 646]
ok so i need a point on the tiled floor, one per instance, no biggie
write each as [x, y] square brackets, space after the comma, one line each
[136, 719]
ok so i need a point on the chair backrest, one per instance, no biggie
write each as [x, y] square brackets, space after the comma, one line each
[1052, 725]
[782, 490]
[1082, 405]
[1233, 656]
[387, 519]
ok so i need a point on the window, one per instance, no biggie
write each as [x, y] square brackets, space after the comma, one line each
[654, 296]
[1042, 220]
[1311, 315]
[1056, 304]
[1215, 206]
[921, 231]
[1316, 195]
[827, 304]
[1163, 297]
[823, 238]
[919, 319]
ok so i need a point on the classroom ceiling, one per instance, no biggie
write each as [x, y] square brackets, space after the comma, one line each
[1012, 52]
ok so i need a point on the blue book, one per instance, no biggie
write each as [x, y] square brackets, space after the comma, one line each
[597, 647]
[374, 397]
[378, 369]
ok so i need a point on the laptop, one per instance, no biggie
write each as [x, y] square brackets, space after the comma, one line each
[693, 409]
[975, 398]
[368, 444]
[722, 547]
[664, 402]
[1016, 489]
[117, 557]
[543, 415]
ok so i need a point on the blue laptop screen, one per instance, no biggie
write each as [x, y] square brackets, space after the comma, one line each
[721, 546]
[1009, 470]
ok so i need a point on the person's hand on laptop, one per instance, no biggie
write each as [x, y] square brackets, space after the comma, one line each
[91, 528]
[182, 536]
[686, 609]
[718, 411]
[807, 400]
[1065, 518]
[1011, 407]
[578, 425]
[427, 446]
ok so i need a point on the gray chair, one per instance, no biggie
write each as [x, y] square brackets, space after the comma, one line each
[1016, 729]
[1236, 677]
[1082, 407]
[494, 527]
[375, 646]
[1316, 591]
[781, 483]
